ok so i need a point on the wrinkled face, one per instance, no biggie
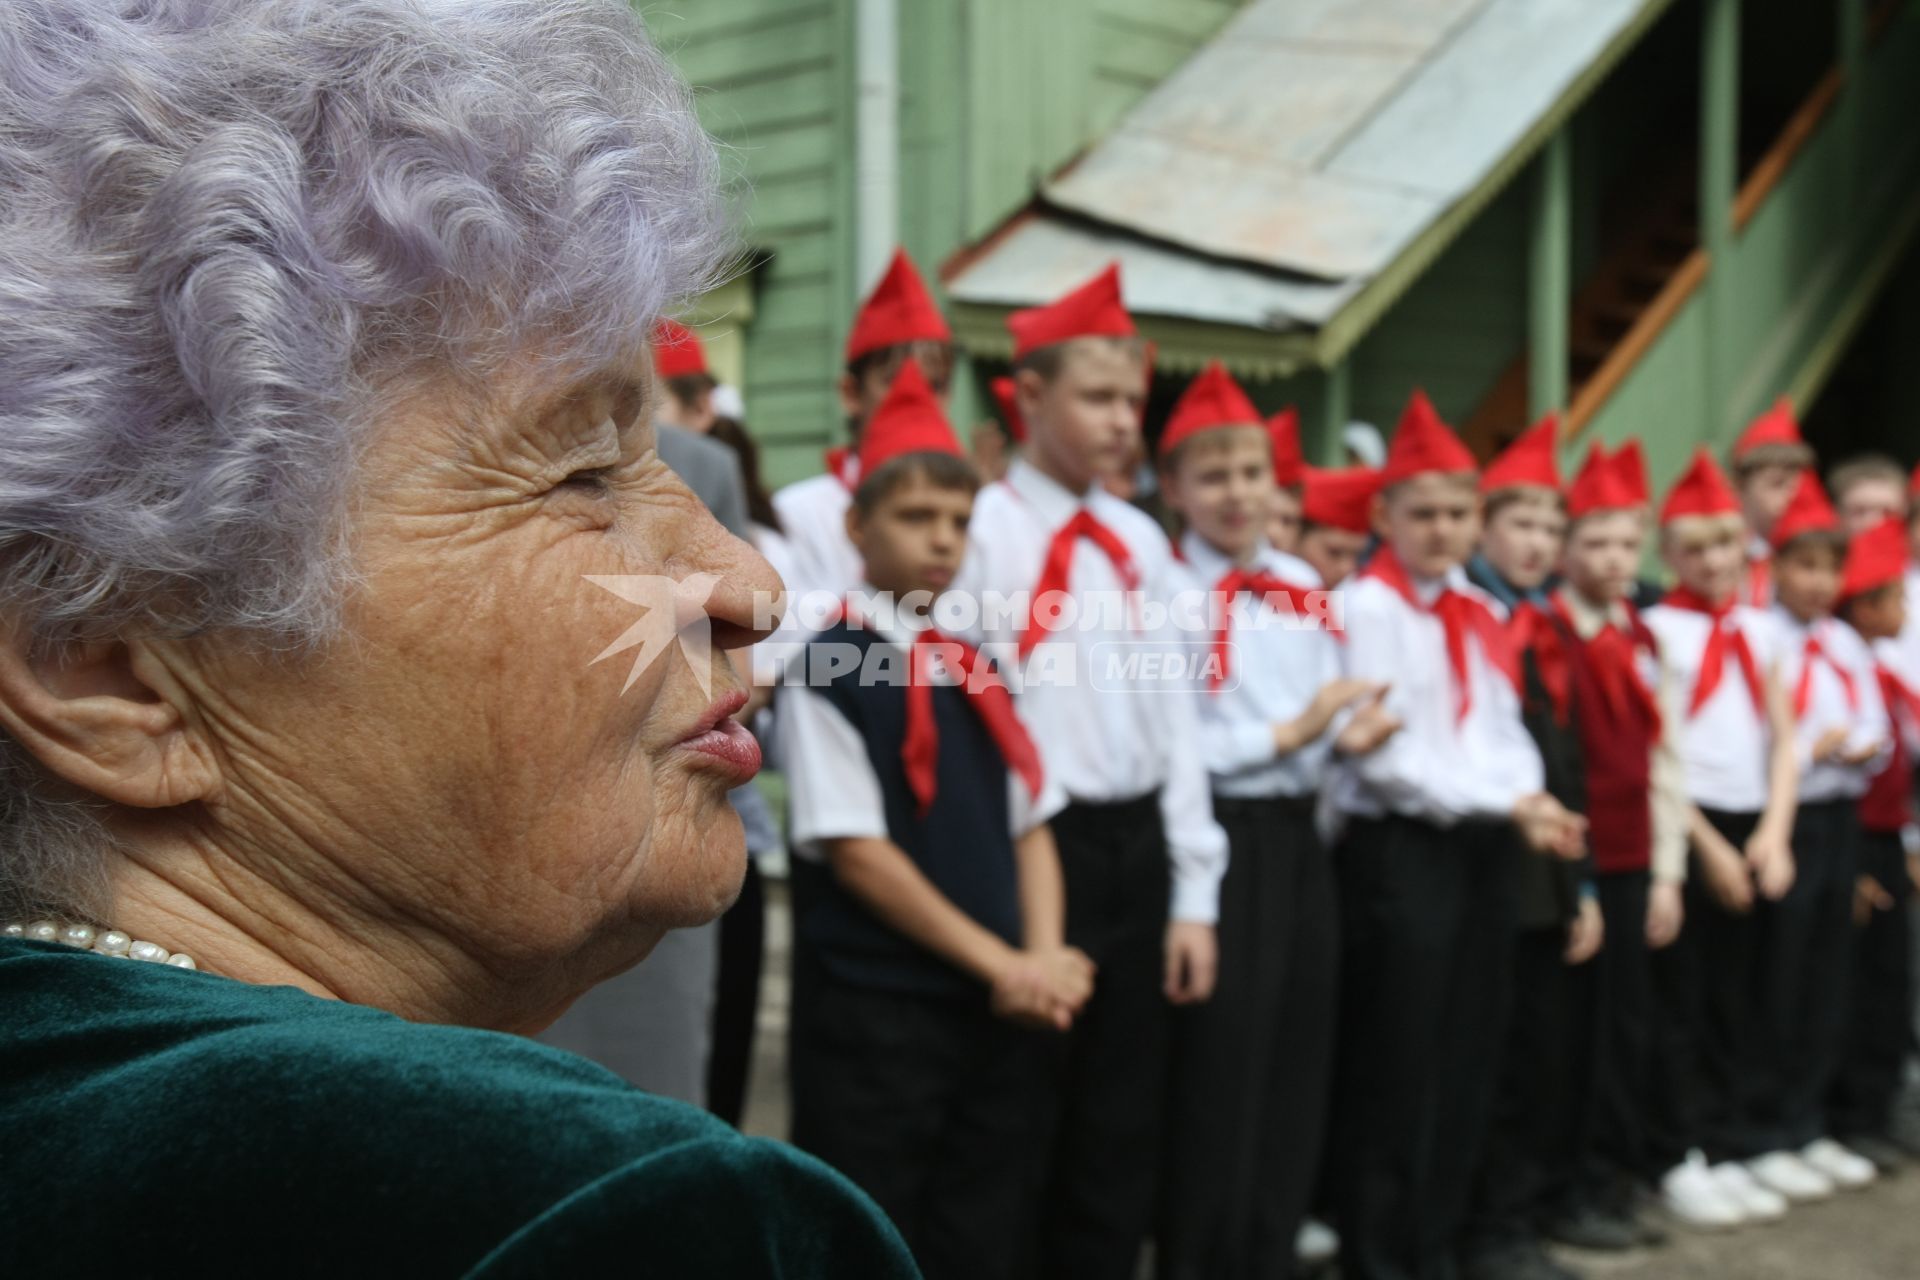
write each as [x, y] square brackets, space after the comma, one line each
[1806, 578]
[1222, 485]
[1869, 501]
[1765, 493]
[1603, 554]
[1334, 553]
[1522, 539]
[915, 537]
[1707, 556]
[459, 760]
[1283, 519]
[1084, 423]
[1880, 614]
[1430, 521]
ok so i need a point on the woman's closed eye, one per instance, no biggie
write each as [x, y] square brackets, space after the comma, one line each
[588, 479]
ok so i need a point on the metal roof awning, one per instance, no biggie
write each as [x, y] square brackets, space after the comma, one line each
[1301, 169]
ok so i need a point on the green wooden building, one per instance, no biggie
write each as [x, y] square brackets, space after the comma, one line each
[1654, 215]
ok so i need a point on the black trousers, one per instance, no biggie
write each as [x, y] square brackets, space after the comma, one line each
[1110, 1074]
[1880, 1013]
[1531, 1169]
[1705, 1077]
[1615, 1147]
[1804, 970]
[933, 1107]
[1426, 966]
[736, 1000]
[1249, 1069]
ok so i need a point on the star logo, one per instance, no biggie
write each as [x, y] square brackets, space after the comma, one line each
[672, 610]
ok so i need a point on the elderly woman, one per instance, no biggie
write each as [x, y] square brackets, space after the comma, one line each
[326, 475]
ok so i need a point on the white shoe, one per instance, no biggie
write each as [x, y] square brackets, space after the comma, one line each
[1761, 1203]
[1316, 1243]
[1693, 1195]
[1792, 1177]
[1846, 1168]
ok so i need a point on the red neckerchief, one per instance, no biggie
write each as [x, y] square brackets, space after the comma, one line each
[1058, 565]
[841, 463]
[1263, 584]
[1724, 635]
[1614, 654]
[1531, 630]
[1813, 652]
[1459, 614]
[986, 692]
[1760, 581]
[1899, 696]
[1889, 789]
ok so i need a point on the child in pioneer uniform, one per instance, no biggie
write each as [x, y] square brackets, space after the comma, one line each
[1289, 480]
[1880, 1010]
[680, 364]
[1843, 738]
[1139, 848]
[1336, 519]
[1525, 1190]
[929, 954]
[1742, 777]
[1767, 462]
[1620, 695]
[898, 321]
[1424, 876]
[1250, 1067]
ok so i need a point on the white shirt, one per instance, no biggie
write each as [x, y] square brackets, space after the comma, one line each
[1827, 707]
[1907, 644]
[1438, 768]
[1278, 667]
[1668, 772]
[813, 512]
[831, 786]
[1895, 656]
[1725, 745]
[1106, 731]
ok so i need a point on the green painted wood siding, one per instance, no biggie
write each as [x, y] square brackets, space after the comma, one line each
[1458, 328]
[1820, 242]
[995, 94]
[774, 81]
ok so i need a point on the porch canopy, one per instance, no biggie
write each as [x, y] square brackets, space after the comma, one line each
[1275, 195]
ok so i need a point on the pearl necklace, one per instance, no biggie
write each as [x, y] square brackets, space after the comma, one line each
[106, 942]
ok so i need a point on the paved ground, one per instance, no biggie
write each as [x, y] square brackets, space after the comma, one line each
[1866, 1235]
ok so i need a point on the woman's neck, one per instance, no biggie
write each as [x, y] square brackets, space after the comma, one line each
[254, 928]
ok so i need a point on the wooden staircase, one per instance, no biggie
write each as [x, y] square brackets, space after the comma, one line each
[1654, 251]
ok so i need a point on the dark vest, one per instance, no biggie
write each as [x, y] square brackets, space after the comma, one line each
[963, 846]
[1617, 749]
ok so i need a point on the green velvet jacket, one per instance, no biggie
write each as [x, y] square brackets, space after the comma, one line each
[155, 1121]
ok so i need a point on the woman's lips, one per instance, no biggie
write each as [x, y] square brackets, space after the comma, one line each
[724, 742]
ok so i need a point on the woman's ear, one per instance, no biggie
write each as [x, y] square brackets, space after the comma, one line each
[95, 715]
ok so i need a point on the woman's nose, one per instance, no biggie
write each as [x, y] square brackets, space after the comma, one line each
[747, 598]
